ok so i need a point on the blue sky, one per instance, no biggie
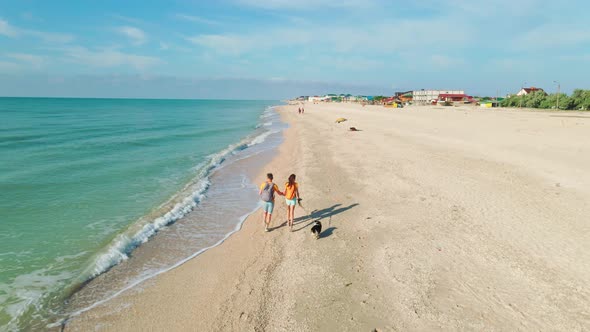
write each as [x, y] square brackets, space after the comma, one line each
[279, 48]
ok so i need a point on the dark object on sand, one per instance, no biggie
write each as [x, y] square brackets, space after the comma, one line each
[316, 229]
[353, 129]
[299, 201]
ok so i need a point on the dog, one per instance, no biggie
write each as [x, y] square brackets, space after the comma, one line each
[316, 229]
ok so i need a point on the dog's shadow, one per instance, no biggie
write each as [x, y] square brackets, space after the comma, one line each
[327, 232]
[322, 214]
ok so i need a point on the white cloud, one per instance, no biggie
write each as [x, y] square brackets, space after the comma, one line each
[487, 8]
[6, 66]
[554, 35]
[50, 37]
[28, 16]
[224, 44]
[239, 44]
[8, 30]
[506, 64]
[350, 64]
[109, 58]
[577, 57]
[374, 38]
[11, 31]
[444, 61]
[127, 19]
[137, 36]
[196, 19]
[31, 60]
[142, 86]
[308, 4]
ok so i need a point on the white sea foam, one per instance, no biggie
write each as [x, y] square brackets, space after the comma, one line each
[124, 243]
[154, 274]
[262, 137]
[268, 112]
[139, 233]
[29, 289]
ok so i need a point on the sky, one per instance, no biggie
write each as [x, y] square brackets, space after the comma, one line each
[274, 49]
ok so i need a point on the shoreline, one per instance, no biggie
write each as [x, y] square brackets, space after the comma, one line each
[432, 221]
[101, 181]
[262, 148]
[250, 221]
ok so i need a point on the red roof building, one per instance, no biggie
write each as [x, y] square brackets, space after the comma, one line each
[454, 97]
[526, 91]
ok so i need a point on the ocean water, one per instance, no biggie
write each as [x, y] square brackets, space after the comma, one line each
[127, 187]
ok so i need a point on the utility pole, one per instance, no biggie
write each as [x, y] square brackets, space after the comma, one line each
[558, 88]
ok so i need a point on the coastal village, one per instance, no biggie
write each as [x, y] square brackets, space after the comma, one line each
[418, 97]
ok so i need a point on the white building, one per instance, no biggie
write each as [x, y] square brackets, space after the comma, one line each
[314, 99]
[526, 91]
[427, 96]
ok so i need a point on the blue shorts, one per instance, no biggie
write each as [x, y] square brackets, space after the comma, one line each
[267, 206]
[291, 202]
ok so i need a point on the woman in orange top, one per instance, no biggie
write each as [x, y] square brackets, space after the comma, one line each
[291, 197]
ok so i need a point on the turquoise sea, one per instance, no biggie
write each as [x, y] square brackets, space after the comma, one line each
[85, 182]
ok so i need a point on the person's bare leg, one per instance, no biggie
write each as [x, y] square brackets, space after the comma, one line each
[264, 218]
[269, 220]
[291, 212]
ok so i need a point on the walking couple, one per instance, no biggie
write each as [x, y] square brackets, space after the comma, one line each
[267, 195]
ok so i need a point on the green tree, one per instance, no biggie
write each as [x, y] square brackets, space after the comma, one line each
[586, 101]
[549, 102]
[535, 99]
[512, 101]
[565, 102]
[581, 99]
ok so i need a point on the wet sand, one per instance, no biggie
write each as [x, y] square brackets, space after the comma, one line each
[434, 218]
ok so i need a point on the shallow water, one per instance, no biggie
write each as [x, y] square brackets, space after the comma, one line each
[83, 182]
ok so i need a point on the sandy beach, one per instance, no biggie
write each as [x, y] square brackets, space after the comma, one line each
[434, 219]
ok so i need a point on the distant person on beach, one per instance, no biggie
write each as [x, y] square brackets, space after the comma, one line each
[299, 110]
[267, 196]
[302, 110]
[291, 197]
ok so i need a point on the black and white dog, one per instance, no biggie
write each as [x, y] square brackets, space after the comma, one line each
[316, 229]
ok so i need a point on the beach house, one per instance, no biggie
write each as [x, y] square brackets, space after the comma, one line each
[405, 96]
[526, 91]
[429, 96]
[315, 99]
[455, 97]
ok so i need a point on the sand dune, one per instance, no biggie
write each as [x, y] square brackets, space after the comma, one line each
[434, 219]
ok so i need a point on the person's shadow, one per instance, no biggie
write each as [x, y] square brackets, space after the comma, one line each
[319, 215]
